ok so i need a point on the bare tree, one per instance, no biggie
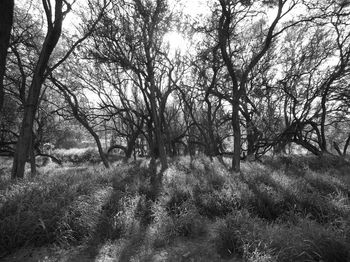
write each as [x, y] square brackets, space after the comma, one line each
[54, 19]
[131, 37]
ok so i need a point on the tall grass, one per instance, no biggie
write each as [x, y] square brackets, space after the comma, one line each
[273, 211]
[59, 206]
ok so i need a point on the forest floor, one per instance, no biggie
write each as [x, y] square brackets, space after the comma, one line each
[294, 208]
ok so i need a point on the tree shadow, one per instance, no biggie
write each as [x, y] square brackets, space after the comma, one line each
[295, 200]
[126, 215]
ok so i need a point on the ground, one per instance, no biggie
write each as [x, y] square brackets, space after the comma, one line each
[288, 208]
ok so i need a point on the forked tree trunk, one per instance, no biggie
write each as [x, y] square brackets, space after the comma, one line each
[31, 103]
[26, 134]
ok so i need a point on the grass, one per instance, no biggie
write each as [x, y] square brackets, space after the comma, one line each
[285, 209]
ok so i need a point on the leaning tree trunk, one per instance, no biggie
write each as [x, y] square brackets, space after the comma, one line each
[6, 21]
[72, 100]
[31, 103]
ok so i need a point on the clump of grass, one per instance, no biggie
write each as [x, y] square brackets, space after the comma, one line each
[235, 234]
[78, 155]
[175, 215]
[51, 208]
[188, 222]
[307, 241]
[241, 235]
[265, 207]
[216, 203]
[176, 199]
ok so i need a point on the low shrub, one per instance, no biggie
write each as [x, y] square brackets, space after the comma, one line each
[188, 222]
[182, 220]
[236, 234]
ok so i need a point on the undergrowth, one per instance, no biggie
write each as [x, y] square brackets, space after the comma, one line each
[282, 210]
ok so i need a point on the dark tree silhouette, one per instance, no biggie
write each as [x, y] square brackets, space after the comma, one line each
[6, 21]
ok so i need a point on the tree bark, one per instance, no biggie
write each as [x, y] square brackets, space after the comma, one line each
[32, 159]
[6, 21]
[224, 25]
[159, 141]
[236, 159]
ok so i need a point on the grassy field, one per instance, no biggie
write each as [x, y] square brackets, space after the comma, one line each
[284, 209]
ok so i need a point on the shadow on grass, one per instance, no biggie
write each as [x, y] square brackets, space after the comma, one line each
[126, 215]
[301, 198]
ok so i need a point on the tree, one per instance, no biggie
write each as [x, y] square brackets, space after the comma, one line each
[130, 38]
[54, 19]
[55, 14]
[231, 13]
[315, 67]
[80, 116]
[6, 21]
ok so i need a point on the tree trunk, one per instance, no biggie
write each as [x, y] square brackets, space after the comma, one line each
[131, 147]
[31, 103]
[32, 159]
[26, 134]
[224, 26]
[156, 119]
[323, 142]
[6, 21]
[236, 158]
[251, 137]
[212, 147]
[99, 147]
